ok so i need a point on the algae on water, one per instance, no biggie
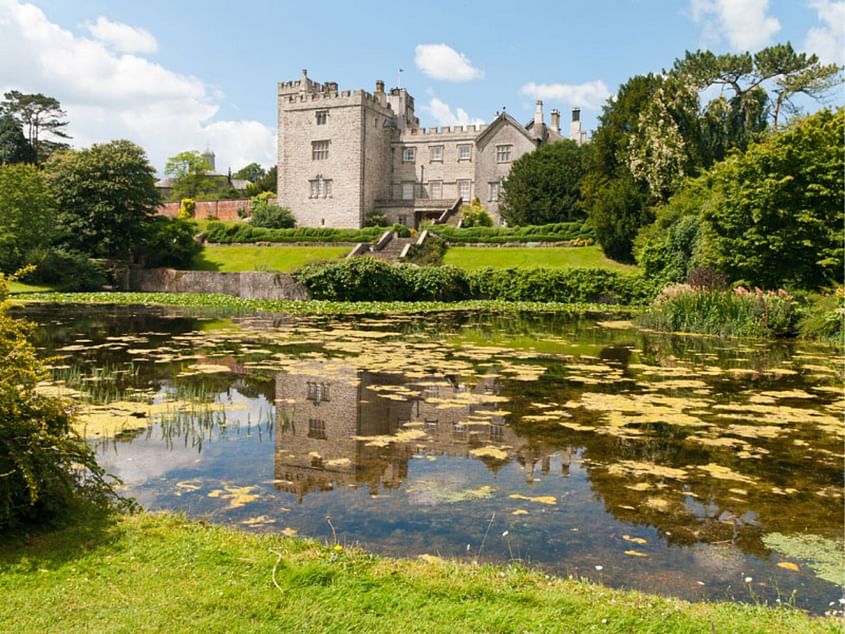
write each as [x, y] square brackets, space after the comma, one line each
[825, 557]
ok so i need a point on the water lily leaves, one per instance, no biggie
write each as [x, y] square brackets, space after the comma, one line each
[539, 499]
[236, 496]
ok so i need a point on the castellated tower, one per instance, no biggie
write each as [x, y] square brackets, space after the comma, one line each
[334, 150]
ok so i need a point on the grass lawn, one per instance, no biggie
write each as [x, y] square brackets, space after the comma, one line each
[252, 258]
[160, 573]
[523, 257]
[20, 287]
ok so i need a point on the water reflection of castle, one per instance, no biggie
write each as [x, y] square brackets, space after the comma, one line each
[323, 412]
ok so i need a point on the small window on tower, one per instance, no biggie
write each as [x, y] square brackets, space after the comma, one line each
[464, 152]
[319, 150]
[409, 154]
[322, 117]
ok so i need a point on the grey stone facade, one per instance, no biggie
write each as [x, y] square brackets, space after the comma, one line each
[342, 154]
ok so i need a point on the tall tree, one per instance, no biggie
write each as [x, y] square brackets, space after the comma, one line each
[14, 148]
[544, 186]
[106, 195]
[267, 183]
[38, 115]
[191, 173]
[252, 172]
[27, 214]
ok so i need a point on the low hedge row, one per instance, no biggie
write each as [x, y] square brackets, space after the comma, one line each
[223, 233]
[558, 232]
[367, 279]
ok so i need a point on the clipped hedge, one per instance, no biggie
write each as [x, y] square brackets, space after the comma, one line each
[558, 232]
[367, 279]
[224, 233]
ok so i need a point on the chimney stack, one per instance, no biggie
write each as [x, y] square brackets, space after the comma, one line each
[575, 127]
[538, 116]
[556, 120]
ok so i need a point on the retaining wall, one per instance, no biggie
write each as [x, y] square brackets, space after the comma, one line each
[247, 284]
[220, 209]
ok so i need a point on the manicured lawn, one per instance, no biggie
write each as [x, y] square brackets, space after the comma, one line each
[20, 287]
[151, 573]
[523, 257]
[252, 258]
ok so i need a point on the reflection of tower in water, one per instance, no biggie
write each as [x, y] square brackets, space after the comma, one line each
[333, 420]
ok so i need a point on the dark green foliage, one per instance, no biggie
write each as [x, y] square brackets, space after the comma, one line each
[266, 183]
[66, 270]
[823, 317]
[221, 233]
[617, 210]
[271, 216]
[553, 285]
[45, 469]
[738, 313]
[367, 279]
[401, 231]
[375, 219]
[252, 173]
[431, 251]
[559, 232]
[105, 195]
[544, 186]
[774, 215]
[14, 148]
[27, 214]
[170, 242]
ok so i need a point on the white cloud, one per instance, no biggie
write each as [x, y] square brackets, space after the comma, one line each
[443, 115]
[122, 37]
[827, 41]
[109, 96]
[591, 94]
[745, 23]
[440, 61]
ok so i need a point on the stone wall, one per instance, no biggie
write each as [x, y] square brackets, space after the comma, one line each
[248, 284]
[220, 209]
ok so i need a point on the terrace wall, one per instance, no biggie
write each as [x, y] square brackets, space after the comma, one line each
[247, 284]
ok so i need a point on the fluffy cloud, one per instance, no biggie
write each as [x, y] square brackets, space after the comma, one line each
[108, 95]
[122, 37]
[443, 115]
[827, 41]
[745, 23]
[591, 94]
[440, 61]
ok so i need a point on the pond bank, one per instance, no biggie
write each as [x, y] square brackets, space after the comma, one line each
[163, 573]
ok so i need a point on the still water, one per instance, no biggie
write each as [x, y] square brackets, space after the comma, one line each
[698, 467]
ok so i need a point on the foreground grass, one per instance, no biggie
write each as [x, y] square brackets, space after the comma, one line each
[233, 304]
[163, 573]
[523, 257]
[20, 287]
[231, 259]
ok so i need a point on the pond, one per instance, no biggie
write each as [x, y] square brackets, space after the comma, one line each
[697, 467]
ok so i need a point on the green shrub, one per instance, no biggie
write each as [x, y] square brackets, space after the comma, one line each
[738, 312]
[243, 233]
[558, 232]
[65, 270]
[170, 242]
[367, 279]
[269, 215]
[45, 468]
[475, 215]
[187, 209]
[375, 219]
[430, 252]
[823, 316]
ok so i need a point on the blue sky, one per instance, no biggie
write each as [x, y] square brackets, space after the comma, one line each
[186, 74]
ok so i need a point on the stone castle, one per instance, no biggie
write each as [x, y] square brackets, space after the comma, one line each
[342, 154]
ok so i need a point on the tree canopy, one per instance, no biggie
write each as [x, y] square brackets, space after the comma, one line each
[252, 172]
[14, 148]
[544, 186]
[38, 115]
[105, 194]
[27, 214]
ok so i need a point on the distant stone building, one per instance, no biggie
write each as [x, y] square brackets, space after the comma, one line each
[342, 154]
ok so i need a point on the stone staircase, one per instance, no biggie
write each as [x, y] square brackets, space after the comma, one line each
[389, 248]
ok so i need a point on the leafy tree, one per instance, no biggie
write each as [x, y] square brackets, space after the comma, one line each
[544, 186]
[14, 148]
[170, 242]
[37, 115]
[617, 211]
[105, 195]
[777, 69]
[267, 183]
[252, 172]
[775, 214]
[190, 171]
[27, 214]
